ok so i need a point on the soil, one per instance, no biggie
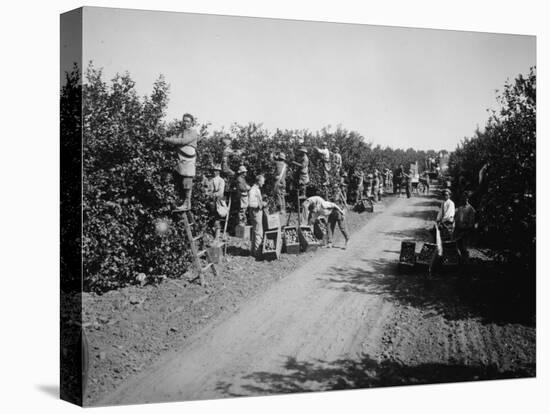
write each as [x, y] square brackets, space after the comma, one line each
[128, 329]
[324, 320]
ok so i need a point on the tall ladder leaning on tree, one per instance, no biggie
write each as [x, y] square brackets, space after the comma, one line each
[188, 221]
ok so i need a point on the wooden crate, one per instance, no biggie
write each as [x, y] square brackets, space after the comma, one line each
[320, 228]
[427, 254]
[407, 257]
[368, 206]
[243, 232]
[307, 239]
[272, 244]
[215, 252]
[271, 221]
[291, 244]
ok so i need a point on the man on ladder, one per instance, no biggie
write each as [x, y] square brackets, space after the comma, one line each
[185, 142]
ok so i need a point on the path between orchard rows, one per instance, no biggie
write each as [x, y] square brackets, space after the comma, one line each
[345, 319]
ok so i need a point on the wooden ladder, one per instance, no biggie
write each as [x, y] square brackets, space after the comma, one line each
[299, 199]
[188, 221]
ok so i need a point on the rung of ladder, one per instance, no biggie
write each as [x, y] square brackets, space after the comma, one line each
[197, 237]
[201, 253]
[208, 266]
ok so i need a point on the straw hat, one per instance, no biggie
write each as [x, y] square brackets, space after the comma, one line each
[242, 169]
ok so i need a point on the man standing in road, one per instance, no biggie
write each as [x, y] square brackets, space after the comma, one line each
[316, 207]
[446, 216]
[185, 142]
[256, 207]
[397, 178]
[464, 226]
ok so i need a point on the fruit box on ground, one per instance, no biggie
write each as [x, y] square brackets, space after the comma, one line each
[215, 252]
[291, 241]
[427, 254]
[407, 256]
[271, 221]
[272, 244]
[368, 205]
[308, 242]
[243, 232]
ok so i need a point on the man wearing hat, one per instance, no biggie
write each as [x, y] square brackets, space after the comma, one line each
[215, 188]
[325, 161]
[256, 206]
[185, 141]
[302, 172]
[279, 187]
[315, 207]
[242, 193]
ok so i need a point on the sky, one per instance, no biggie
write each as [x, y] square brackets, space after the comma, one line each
[397, 87]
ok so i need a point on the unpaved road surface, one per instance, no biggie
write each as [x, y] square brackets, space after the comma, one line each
[346, 319]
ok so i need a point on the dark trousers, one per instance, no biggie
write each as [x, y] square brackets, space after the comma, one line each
[336, 218]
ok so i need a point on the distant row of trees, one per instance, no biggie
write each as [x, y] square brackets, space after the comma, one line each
[127, 183]
[498, 166]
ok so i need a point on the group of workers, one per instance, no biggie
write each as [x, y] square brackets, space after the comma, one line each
[457, 223]
[248, 199]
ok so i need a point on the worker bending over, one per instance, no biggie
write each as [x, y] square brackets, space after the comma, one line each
[315, 207]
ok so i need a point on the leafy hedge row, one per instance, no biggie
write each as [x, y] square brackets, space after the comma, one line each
[127, 182]
[506, 196]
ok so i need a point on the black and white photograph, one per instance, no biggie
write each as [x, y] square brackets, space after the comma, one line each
[259, 206]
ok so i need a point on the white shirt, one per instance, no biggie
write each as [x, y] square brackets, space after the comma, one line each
[447, 211]
[320, 207]
[255, 197]
[325, 154]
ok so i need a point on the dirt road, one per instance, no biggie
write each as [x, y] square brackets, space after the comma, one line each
[345, 319]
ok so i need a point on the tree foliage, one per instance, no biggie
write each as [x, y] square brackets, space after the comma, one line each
[127, 173]
[506, 197]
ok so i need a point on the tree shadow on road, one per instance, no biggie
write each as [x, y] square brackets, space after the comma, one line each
[481, 292]
[362, 372]
[419, 234]
[428, 215]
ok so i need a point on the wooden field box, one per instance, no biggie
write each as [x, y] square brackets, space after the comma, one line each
[407, 257]
[368, 206]
[271, 221]
[272, 244]
[291, 240]
[308, 242]
[427, 254]
[243, 232]
[215, 252]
